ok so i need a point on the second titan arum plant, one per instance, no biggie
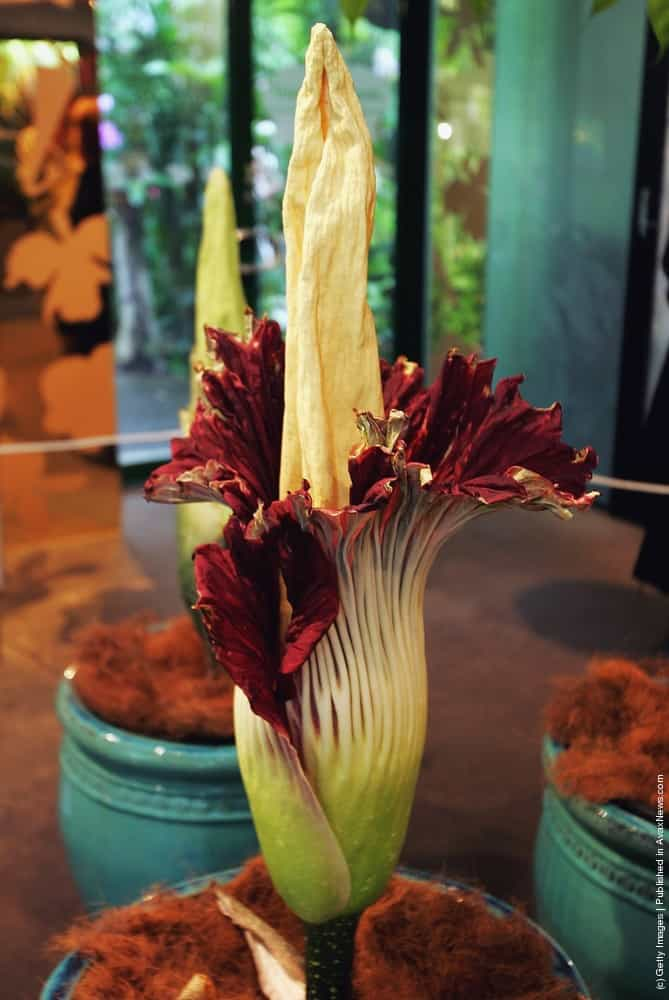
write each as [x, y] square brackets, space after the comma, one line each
[344, 476]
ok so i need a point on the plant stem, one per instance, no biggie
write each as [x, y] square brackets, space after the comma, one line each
[330, 958]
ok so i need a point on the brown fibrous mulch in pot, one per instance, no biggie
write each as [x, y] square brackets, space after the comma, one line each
[614, 725]
[417, 941]
[154, 681]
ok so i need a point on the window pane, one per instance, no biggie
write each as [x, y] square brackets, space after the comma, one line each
[463, 82]
[162, 86]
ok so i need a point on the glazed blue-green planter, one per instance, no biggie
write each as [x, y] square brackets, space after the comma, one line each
[136, 811]
[62, 982]
[594, 874]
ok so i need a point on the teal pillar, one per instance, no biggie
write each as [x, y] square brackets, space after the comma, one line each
[565, 131]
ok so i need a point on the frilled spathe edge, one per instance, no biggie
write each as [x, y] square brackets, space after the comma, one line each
[489, 444]
[474, 441]
[239, 594]
[374, 476]
[232, 452]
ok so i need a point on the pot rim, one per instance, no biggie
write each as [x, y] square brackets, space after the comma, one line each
[67, 973]
[112, 743]
[606, 819]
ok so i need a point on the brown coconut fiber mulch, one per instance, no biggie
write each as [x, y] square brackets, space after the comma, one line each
[614, 723]
[154, 681]
[417, 942]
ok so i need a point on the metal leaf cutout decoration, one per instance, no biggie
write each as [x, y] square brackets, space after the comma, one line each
[71, 263]
[72, 269]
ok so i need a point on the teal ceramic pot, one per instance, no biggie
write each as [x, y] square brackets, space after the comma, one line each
[135, 811]
[61, 984]
[594, 874]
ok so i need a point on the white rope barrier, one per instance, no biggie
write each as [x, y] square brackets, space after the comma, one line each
[158, 437]
[633, 485]
[80, 444]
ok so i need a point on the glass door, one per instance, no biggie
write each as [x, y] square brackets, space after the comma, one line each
[162, 79]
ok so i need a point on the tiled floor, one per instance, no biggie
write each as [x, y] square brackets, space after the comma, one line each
[513, 600]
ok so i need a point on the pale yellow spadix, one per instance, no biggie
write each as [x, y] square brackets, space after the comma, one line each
[332, 360]
[219, 297]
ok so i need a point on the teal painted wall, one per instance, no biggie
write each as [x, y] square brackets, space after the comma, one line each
[565, 128]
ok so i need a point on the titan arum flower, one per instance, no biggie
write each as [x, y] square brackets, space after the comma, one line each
[345, 475]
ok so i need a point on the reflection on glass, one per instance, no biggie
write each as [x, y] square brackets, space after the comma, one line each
[281, 34]
[162, 98]
[55, 357]
[463, 81]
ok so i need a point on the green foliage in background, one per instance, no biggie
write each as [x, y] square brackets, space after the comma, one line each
[353, 9]
[458, 296]
[162, 63]
[658, 15]
[463, 85]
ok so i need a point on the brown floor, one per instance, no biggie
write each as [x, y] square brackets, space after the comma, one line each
[513, 600]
